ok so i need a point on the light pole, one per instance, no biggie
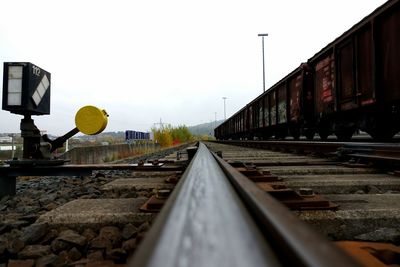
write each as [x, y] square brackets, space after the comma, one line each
[263, 35]
[12, 145]
[224, 98]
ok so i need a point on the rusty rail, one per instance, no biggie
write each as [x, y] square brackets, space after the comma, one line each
[8, 174]
[315, 146]
[385, 154]
[218, 217]
[204, 223]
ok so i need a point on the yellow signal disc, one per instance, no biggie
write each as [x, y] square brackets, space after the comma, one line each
[91, 120]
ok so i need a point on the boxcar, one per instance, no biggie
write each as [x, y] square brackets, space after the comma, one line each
[301, 118]
[356, 78]
[351, 84]
[285, 109]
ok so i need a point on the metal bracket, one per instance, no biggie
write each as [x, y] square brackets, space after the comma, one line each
[371, 253]
[294, 200]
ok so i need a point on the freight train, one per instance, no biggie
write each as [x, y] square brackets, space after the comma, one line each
[351, 84]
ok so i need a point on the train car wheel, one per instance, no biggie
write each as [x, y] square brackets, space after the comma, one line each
[323, 134]
[382, 135]
[383, 132]
[295, 132]
[296, 135]
[309, 134]
[345, 134]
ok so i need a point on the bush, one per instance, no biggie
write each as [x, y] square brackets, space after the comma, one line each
[168, 136]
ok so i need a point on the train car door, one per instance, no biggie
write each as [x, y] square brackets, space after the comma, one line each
[365, 81]
[325, 85]
[272, 102]
[388, 54]
[345, 69]
[295, 89]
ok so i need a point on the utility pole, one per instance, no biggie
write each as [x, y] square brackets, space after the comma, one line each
[159, 123]
[224, 98]
[12, 145]
[263, 35]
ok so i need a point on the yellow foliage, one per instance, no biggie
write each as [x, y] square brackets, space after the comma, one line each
[168, 136]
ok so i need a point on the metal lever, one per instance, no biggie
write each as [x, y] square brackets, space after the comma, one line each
[59, 142]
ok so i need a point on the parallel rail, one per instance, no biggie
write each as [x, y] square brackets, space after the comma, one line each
[217, 217]
[387, 154]
[323, 147]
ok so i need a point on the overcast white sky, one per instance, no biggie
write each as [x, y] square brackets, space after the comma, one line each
[168, 59]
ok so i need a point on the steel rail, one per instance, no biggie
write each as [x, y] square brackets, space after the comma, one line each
[384, 155]
[373, 149]
[327, 147]
[9, 174]
[295, 243]
[218, 217]
[76, 169]
[320, 146]
[204, 223]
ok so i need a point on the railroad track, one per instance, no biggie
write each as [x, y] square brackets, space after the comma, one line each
[206, 223]
[365, 186]
[91, 220]
[359, 203]
[218, 213]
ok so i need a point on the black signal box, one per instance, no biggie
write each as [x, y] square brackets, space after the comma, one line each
[26, 89]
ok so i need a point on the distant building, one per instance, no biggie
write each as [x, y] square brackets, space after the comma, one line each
[7, 148]
[135, 135]
[5, 139]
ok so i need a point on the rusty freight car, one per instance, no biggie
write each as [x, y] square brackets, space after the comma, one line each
[356, 79]
[352, 83]
[281, 111]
